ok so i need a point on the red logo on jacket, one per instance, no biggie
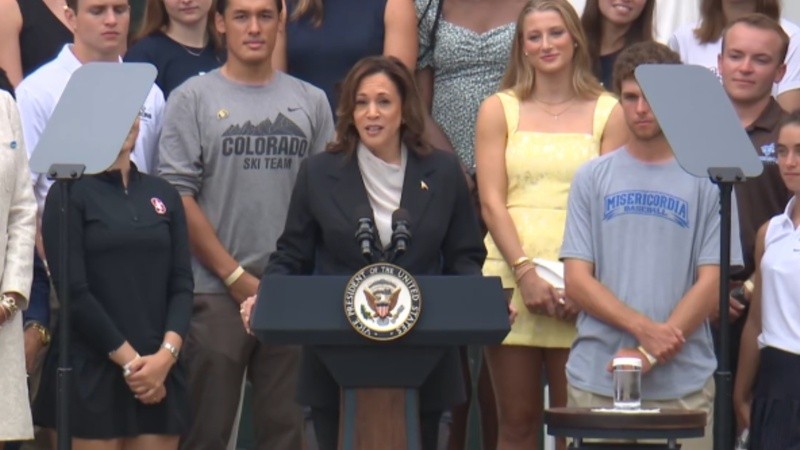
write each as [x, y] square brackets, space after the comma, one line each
[158, 205]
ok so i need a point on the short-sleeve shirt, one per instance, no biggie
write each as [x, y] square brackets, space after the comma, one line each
[646, 228]
[175, 62]
[237, 148]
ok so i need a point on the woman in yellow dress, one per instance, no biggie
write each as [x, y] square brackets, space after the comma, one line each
[550, 117]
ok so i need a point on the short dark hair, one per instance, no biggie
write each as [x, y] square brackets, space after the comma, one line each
[638, 54]
[413, 123]
[761, 22]
[222, 5]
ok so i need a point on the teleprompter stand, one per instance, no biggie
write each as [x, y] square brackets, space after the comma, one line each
[379, 380]
[84, 135]
[708, 141]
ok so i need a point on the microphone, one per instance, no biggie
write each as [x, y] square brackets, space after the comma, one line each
[401, 234]
[365, 233]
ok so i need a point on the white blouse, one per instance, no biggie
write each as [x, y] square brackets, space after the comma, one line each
[780, 284]
[384, 185]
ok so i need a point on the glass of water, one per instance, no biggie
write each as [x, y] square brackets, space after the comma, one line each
[627, 383]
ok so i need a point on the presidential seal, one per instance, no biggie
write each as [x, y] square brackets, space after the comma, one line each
[382, 302]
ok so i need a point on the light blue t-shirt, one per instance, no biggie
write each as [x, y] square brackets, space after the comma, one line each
[646, 228]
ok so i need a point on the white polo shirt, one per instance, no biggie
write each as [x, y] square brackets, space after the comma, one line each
[691, 51]
[38, 94]
[780, 284]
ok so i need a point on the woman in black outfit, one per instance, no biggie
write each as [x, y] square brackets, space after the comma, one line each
[378, 161]
[130, 283]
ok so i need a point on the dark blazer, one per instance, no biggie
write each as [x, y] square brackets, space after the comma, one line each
[319, 237]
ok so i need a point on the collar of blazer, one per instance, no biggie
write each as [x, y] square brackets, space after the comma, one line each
[419, 186]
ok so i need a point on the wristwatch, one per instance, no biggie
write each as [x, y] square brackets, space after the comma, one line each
[174, 351]
[44, 333]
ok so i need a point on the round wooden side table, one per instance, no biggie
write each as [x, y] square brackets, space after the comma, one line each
[581, 424]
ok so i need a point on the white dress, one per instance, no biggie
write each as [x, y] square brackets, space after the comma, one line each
[18, 225]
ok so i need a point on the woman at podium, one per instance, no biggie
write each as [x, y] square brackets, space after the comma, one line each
[130, 286]
[378, 164]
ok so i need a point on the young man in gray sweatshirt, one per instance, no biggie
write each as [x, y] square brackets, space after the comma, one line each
[232, 144]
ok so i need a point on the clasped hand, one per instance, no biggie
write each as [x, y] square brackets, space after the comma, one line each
[147, 376]
[245, 309]
[661, 340]
[540, 297]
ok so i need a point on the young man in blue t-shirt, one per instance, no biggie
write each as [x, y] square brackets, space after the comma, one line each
[641, 252]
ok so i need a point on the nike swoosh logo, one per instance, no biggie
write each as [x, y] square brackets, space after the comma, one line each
[294, 109]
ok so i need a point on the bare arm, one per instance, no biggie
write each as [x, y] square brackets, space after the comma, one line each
[662, 340]
[400, 37]
[424, 78]
[433, 132]
[490, 146]
[749, 356]
[698, 302]
[210, 252]
[615, 134]
[10, 27]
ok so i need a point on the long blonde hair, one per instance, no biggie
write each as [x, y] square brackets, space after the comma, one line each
[520, 76]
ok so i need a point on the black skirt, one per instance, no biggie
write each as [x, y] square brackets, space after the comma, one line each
[102, 405]
[775, 415]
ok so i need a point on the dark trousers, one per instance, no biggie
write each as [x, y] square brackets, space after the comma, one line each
[217, 351]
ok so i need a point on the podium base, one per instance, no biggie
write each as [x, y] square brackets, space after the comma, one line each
[379, 418]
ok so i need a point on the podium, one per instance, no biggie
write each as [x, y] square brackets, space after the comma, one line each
[379, 380]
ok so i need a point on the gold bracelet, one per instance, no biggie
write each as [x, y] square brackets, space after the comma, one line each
[519, 262]
[9, 305]
[44, 333]
[524, 271]
[650, 358]
[234, 277]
